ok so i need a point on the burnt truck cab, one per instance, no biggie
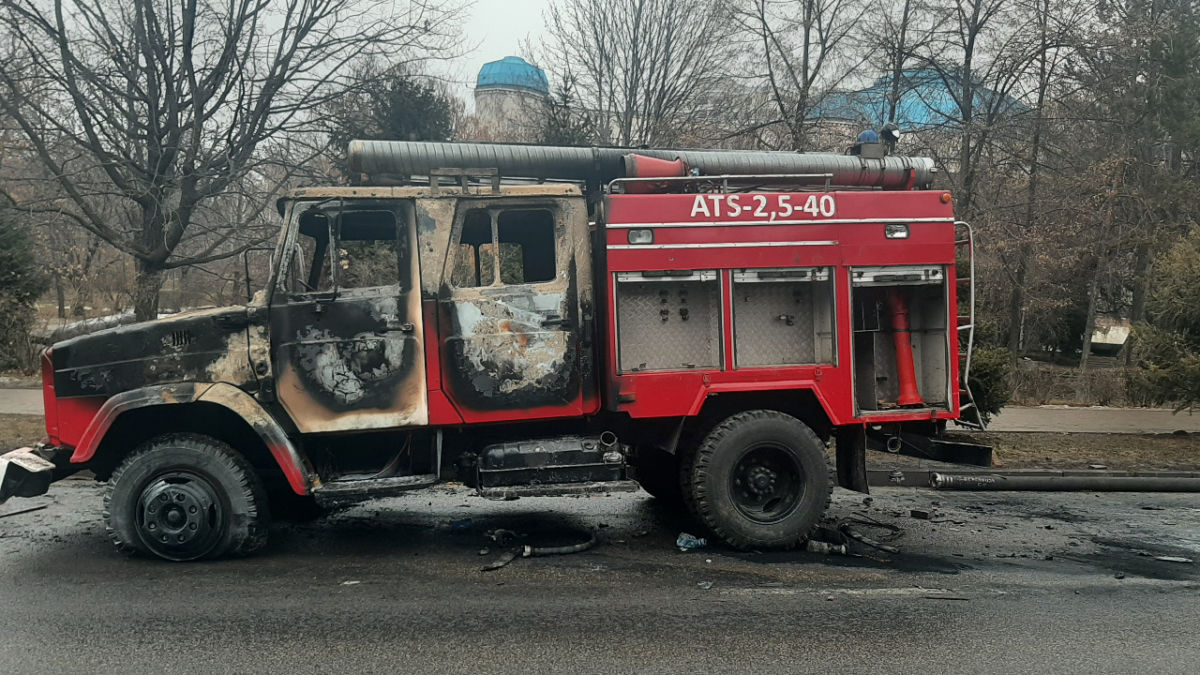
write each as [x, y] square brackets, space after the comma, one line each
[704, 336]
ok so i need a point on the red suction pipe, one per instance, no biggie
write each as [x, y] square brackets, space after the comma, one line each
[905, 370]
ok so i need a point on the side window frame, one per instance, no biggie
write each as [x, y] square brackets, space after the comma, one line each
[494, 211]
[291, 263]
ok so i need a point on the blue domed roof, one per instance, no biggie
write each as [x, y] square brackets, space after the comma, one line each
[513, 72]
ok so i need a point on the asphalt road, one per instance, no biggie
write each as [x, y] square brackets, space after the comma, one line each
[998, 582]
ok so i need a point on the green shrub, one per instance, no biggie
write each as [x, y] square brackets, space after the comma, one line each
[989, 380]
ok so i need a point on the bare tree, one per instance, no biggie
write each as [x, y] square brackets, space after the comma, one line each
[158, 110]
[803, 50]
[641, 66]
[902, 35]
[980, 58]
[1054, 35]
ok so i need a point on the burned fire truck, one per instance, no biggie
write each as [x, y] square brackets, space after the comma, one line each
[535, 321]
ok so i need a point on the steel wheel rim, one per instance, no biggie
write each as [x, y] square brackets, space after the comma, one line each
[767, 483]
[180, 515]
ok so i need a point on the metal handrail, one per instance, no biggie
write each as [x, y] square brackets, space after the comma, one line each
[966, 373]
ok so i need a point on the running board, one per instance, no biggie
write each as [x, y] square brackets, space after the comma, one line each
[510, 492]
[370, 488]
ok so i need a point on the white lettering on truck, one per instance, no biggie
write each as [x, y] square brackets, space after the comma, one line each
[770, 207]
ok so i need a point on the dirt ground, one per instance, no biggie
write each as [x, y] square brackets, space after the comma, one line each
[19, 430]
[1119, 452]
[1015, 450]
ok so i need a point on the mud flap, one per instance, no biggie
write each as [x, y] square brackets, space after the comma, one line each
[24, 473]
[852, 457]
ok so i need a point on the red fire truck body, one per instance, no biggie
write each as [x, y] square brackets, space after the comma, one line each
[756, 232]
[703, 330]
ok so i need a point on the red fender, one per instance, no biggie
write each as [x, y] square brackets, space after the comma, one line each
[223, 394]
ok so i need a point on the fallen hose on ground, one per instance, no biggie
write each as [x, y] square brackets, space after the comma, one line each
[528, 551]
[536, 551]
[942, 481]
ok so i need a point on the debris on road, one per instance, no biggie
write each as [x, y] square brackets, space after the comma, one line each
[500, 536]
[351, 583]
[1173, 559]
[28, 510]
[706, 585]
[920, 514]
[867, 541]
[814, 546]
[686, 542]
[504, 559]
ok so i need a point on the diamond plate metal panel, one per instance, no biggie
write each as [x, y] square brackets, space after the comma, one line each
[782, 323]
[668, 325]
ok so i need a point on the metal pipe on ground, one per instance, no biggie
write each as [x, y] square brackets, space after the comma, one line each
[980, 482]
[409, 158]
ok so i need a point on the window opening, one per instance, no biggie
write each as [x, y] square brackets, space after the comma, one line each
[370, 251]
[526, 246]
[514, 247]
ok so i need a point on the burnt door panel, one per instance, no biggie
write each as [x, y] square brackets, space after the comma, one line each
[347, 345]
[509, 314]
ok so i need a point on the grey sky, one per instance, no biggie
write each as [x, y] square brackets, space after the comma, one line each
[498, 27]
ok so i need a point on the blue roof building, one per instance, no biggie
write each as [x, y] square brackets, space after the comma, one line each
[926, 101]
[513, 72]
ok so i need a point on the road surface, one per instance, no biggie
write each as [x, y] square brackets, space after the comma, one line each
[1097, 420]
[995, 582]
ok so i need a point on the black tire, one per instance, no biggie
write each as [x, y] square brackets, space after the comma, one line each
[658, 474]
[212, 501]
[759, 480]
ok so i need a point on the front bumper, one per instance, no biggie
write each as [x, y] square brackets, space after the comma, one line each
[28, 472]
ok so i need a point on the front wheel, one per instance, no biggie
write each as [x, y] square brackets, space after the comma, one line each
[186, 497]
[759, 480]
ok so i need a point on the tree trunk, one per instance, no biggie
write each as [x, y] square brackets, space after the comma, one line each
[146, 285]
[1089, 324]
[60, 296]
[1141, 285]
[1016, 305]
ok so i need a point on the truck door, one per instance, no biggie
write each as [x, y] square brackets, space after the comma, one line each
[346, 320]
[515, 328]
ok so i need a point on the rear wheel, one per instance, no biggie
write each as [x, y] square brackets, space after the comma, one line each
[186, 497]
[759, 480]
